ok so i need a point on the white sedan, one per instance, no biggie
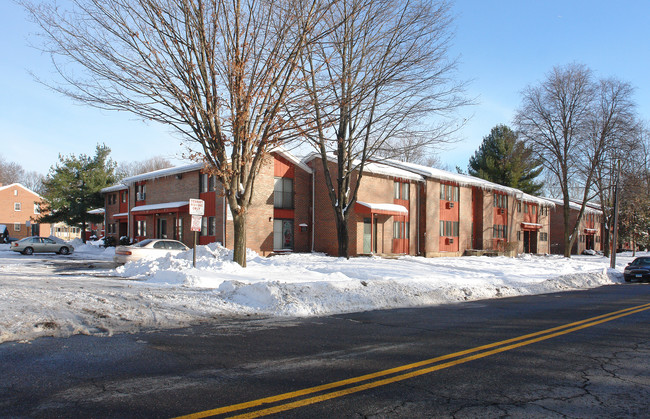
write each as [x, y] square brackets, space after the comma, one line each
[150, 249]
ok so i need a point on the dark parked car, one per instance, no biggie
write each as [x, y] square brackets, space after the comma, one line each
[638, 270]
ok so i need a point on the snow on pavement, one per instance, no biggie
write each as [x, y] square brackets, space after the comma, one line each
[39, 299]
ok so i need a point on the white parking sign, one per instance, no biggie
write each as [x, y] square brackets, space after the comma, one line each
[197, 206]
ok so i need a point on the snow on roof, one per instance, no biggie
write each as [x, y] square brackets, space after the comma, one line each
[589, 208]
[114, 188]
[467, 180]
[170, 171]
[19, 185]
[164, 205]
[121, 214]
[376, 168]
[96, 211]
[293, 159]
[384, 207]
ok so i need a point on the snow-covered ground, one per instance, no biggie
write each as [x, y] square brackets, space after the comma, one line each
[40, 298]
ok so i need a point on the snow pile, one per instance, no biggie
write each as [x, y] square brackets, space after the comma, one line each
[37, 299]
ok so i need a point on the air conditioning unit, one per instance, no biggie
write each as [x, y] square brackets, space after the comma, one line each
[500, 211]
[450, 204]
[450, 241]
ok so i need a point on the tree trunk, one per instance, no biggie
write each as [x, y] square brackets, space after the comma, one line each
[83, 231]
[342, 236]
[239, 248]
[567, 234]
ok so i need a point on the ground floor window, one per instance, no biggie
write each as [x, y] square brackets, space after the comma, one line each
[499, 231]
[543, 237]
[16, 226]
[282, 234]
[208, 226]
[141, 228]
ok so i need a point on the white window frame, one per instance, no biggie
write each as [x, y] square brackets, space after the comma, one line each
[17, 206]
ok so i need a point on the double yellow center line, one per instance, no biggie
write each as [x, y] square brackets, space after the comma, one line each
[404, 372]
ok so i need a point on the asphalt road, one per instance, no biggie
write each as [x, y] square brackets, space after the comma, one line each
[532, 356]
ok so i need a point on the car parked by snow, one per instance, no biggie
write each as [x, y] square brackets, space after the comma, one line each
[150, 248]
[637, 270]
[35, 244]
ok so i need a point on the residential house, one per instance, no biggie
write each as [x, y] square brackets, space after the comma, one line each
[19, 209]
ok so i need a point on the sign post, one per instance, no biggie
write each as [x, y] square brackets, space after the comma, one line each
[197, 209]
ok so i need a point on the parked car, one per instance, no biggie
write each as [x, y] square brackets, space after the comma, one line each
[637, 270]
[149, 248]
[36, 244]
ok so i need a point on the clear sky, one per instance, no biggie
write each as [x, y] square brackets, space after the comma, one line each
[503, 46]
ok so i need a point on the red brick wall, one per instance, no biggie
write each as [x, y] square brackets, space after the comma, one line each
[11, 194]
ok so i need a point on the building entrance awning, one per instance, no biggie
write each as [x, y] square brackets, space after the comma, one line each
[382, 209]
[164, 208]
[121, 216]
[530, 226]
[591, 231]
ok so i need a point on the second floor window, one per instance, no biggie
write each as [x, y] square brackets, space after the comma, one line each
[16, 206]
[140, 192]
[449, 192]
[207, 183]
[402, 191]
[283, 193]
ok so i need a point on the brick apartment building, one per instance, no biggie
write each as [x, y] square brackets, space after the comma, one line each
[156, 205]
[590, 230]
[18, 211]
[401, 208]
[461, 213]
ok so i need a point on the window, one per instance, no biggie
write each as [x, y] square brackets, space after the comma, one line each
[283, 193]
[16, 206]
[518, 206]
[401, 190]
[212, 226]
[499, 231]
[15, 192]
[207, 183]
[543, 237]
[525, 208]
[501, 201]
[406, 230]
[449, 228]
[16, 226]
[449, 193]
[534, 208]
[141, 227]
[519, 236]
[396, 230]
[140, 192]
[37, 209]
[179, 227]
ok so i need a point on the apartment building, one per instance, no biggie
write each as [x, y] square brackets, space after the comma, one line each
[401, 208]
[156, 205]
[590, 230]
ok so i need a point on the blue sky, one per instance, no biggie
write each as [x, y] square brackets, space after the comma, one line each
[503, 46]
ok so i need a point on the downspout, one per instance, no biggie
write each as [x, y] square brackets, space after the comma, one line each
[313, 205]
[417, 221]
[225, 219]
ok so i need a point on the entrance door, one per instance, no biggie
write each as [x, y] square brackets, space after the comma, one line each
[162, 228]
[530, 242]
[589, 239]
[369, 236]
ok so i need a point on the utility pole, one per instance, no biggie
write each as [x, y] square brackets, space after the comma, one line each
[615, 233]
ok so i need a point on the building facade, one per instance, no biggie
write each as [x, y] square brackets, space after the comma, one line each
[590, 230]
[19, 209]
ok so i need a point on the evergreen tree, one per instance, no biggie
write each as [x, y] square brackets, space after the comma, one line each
[505, 160]
[73, 187]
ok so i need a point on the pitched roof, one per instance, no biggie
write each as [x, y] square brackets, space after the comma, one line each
[14, 185]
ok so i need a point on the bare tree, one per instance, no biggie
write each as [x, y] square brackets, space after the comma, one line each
[554, 120]
[614, 125]
[10, 172]
[217, 71]
[126, 169]
[381, 70]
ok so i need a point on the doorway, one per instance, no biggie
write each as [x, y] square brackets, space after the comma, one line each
[530, 241]
[369, 235]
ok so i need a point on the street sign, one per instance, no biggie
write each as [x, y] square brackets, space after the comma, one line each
[197, 207]
[196, 222]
